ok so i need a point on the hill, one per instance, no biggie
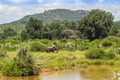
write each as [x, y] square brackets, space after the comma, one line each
[56, 15]
[48, 16]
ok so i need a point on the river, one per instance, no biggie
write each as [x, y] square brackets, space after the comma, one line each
[89, 73]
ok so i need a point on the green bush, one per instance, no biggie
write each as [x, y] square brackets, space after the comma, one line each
[22, 65]
[82, 44]
[110, 55]
[37, 46]
[99, 53]
[95, 53]
[110, 40]
[107, 43]
[95, 43]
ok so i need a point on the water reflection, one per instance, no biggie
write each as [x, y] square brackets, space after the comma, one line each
[68, 75]
[97, 73]
[90, 73]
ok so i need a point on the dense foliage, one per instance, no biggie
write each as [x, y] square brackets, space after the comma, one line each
[7, 33]
[34, 29]
[96, 24]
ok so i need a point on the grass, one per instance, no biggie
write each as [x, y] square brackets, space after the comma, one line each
[66, 59]
[60, 60]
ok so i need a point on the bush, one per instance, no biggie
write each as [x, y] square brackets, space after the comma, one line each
[95, 43]
[110, 40]
[99, 53]
[36, 46]
[110, 55]
[83, 44]
[22, 65]
[95, 53]
[107, 43]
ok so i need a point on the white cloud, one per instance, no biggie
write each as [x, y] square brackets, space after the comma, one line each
[101, 0]
[40, 1]
[10, 13]
[18, 1]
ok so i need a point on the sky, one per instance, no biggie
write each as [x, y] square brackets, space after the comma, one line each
[11, 10]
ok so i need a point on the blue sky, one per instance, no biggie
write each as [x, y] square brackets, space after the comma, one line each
[11, 10]
[29, 2]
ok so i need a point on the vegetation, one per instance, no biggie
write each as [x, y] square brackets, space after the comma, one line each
[34, 29]
[22, 65]
[7, 33]
[96, 24]
[94, 39]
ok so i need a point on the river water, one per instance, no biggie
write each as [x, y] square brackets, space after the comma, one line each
[89, 73]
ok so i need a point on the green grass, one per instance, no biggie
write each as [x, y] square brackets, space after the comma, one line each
[66, 59]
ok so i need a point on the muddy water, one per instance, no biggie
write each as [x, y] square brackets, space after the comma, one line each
[90, 73]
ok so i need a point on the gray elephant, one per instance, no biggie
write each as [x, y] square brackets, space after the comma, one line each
[51, 49]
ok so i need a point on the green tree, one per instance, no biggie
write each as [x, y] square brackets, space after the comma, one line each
[34, 29]
[115, 29]
[96, 24]
[53, 30]
[7, 33]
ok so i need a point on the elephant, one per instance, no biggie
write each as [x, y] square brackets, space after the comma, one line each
[51, 49]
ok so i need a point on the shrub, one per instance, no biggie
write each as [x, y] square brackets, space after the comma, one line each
[110, 40]
[95, 43]
[99, 53]
[110, 55]
[22, 65]
[83, 45]
[107, 43]
[95, 53]
[36, 46]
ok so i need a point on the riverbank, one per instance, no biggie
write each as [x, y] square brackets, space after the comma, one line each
[93, 72]
[63, 60]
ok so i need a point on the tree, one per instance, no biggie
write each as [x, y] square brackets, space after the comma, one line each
[53, 30]
[115, 29]
[34, 29]
[8, 33]
[96, 24]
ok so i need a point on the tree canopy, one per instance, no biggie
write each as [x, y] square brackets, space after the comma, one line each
[34, 29]
[8, 32]
[96, 24]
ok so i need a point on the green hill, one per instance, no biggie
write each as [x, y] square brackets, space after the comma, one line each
[48, 16]
[56, 15]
